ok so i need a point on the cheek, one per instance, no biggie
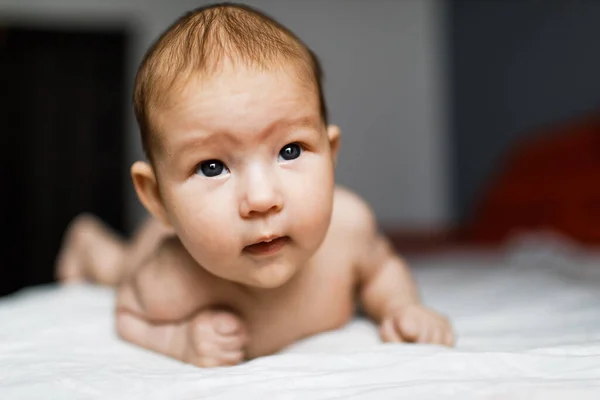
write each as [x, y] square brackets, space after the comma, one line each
[312, 196]
[202, 219]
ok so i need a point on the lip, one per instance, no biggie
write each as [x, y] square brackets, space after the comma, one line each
[267, 246]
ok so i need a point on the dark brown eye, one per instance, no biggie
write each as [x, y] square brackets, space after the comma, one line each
[290, 152]
[211, 168]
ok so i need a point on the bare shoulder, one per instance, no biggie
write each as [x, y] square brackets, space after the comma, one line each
[354, 228]
[352, 215]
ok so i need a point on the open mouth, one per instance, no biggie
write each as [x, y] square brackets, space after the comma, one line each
[267, 247]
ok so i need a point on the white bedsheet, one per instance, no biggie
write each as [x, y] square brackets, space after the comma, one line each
[528, 325]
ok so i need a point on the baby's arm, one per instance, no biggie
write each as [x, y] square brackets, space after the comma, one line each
[387, 290]
[163, 306]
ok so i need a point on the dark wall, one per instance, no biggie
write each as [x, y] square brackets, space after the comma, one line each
[516, 66]
[62, 139]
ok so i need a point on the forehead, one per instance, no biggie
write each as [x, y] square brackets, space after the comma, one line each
[238, 99]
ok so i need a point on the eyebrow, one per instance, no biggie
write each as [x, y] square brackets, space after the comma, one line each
[198, 140]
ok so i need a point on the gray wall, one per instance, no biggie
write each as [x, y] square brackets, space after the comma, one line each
[384, 85]
[517, 66]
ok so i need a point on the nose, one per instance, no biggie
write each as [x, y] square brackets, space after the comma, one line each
[261, 193]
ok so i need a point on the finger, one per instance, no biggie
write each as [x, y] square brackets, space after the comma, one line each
[426, 333]
[439, 329]
[385, 331]
[408, 325]
[212, 362]
[205, 362]
[207, 322]
[449, 338]
[388, 331]
[210, 355]
[212, 324]
[225, 323]
[232, 357]
[437, 335]
[445, 330]
[439, 325]
[231, 342]
[229, 358]
[210, 349]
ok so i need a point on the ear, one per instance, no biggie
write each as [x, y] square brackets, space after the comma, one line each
[146, 187]
[333, 133]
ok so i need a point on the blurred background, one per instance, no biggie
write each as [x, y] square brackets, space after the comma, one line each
[432, 96]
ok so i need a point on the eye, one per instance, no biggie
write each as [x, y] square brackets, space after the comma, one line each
[211, 168]
[290, 152]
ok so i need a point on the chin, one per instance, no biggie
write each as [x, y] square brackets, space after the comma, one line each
[272, 277]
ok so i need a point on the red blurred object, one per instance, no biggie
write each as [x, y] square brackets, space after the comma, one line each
[550, 182]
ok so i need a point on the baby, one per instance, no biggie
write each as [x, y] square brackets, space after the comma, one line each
[252, 246]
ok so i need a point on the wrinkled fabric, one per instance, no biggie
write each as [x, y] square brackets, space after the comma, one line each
[527, 321]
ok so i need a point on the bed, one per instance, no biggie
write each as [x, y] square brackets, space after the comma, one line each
[524, 299]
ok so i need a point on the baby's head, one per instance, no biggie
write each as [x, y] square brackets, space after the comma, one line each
[233, 121]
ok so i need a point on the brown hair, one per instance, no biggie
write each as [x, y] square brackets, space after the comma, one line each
[200, 40]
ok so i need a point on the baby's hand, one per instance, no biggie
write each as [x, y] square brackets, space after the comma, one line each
[217, 338]
[416, 323]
